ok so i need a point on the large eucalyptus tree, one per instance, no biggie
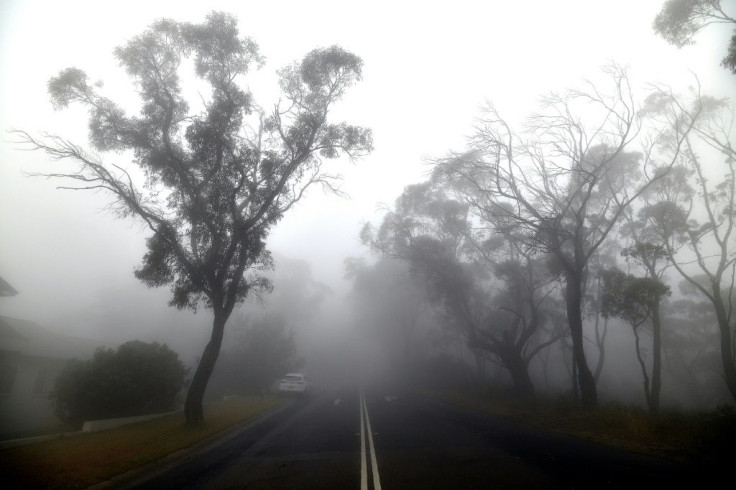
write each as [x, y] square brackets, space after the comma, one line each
[209, 180]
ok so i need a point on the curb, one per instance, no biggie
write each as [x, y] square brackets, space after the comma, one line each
[89, 426]
[107, 424]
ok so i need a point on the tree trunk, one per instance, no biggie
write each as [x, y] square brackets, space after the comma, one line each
[574, 375]
[545, 369]
[727, 354]
[600, 341]
[571, 370]
[573, 300]
[656, 359]
[193, 405]
[519, 371]
[645, 375]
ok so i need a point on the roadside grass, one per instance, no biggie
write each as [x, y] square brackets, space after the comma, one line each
[44, 431]
[81, 460]
[677, 436]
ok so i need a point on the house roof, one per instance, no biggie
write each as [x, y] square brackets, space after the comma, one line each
[6, 289]
[31, 339]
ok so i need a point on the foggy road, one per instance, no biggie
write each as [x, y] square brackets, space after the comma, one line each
[416, 442]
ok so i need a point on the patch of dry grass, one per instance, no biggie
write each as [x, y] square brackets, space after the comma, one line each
[79, 461]
[676, 436]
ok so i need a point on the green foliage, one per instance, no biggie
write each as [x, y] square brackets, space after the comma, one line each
[136, 379]
[644, 252]
[630, 298]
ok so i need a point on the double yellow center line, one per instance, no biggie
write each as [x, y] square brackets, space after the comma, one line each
[365, 427]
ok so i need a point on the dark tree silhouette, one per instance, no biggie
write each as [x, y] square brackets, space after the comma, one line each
[460, 266]
[647, 250]
[209, 184]
[604, 258]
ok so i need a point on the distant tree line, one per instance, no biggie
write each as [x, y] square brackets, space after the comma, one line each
[515, 239]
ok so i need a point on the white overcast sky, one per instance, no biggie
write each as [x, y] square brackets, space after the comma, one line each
[428, 66]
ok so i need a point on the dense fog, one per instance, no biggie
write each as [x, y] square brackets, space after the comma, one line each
[519, 156]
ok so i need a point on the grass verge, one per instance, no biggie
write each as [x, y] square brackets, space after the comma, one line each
[81, 460]
[672, 435]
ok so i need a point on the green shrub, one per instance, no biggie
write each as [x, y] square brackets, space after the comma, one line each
[136, 379]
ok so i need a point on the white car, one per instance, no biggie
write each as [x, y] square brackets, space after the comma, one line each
[295, 383]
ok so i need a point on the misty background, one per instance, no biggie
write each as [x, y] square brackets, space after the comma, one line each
[428, 68]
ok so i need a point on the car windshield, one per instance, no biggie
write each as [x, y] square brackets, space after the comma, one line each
[292, 379]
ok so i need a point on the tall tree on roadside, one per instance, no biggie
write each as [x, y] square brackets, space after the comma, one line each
[209, 183]
[679, 21]
[647, 250]
[693, 212]
[604, 259]
[563, 183]
[635, 300]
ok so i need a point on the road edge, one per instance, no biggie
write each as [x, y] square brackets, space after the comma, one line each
[138, 476]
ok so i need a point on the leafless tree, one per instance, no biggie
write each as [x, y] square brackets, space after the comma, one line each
[562, 184]
[693, 211]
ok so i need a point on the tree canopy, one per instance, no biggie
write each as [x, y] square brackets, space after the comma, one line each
[679, 21]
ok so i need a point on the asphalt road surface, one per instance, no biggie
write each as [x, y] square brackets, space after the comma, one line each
[324, 442]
